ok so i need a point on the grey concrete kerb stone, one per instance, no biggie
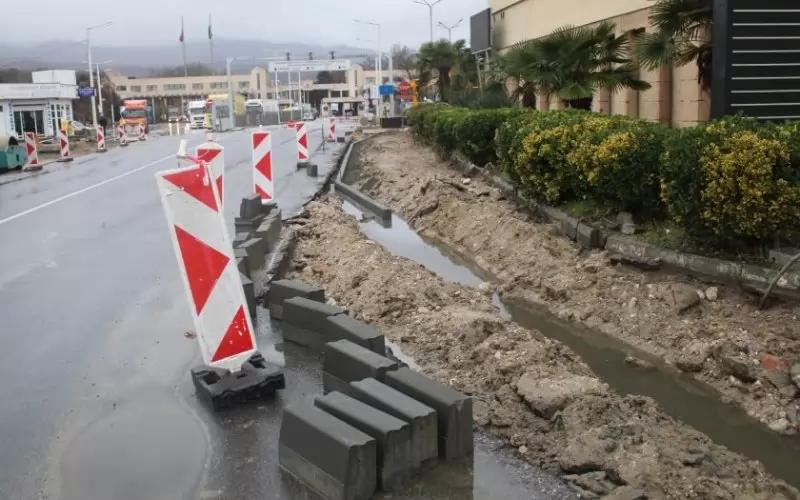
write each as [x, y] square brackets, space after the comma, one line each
[328, 455]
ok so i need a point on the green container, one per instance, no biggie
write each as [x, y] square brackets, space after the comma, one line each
[12, 155]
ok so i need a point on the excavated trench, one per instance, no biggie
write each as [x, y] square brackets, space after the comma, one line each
[623, 368]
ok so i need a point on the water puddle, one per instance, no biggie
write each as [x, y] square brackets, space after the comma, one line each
[681, 396]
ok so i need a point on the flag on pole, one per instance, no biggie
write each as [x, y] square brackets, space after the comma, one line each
[209, 27]
[181, 37]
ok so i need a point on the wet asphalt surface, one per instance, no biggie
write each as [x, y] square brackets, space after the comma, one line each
[97, 403]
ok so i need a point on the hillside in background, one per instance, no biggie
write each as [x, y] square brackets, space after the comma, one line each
[143, 61]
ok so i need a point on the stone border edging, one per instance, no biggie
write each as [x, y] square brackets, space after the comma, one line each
[749, 277]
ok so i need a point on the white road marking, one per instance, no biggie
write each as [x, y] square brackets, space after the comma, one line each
[84, 190]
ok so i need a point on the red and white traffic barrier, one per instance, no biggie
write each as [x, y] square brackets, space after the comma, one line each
[262, 165]
[30, 149]
[142, 132]
[101, 139]
[122, 136]
[63, 146]
[302, 142]
[207, 266]
[332, 130]
[214, 156]
[291, 124]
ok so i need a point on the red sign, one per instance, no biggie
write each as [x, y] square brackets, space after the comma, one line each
[404, 87]
[291, 124]
[210, 103]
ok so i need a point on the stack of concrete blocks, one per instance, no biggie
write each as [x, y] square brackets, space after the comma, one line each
[258, 232]
[381, 422]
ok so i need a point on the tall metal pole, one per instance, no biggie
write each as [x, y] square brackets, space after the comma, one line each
[230, 92]
[430, 5]
[99, 90]
[185, 68]
[91, 68]
[391, 81]
[450, 29]
[91, 77]
[430, 10]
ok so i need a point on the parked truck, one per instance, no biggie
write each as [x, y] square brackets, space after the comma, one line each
[197, 114]
[134, 113]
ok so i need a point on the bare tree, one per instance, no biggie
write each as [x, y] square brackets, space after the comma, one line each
[405, 58]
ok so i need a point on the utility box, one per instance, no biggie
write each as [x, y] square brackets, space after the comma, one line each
[12, 155]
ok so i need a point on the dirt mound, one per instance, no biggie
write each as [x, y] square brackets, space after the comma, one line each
[531, 391]
[716, 333]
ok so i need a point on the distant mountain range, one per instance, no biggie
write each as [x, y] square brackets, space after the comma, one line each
[141, 61]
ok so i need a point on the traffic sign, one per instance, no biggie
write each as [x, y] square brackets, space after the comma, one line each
[293, 66]
[85, 91]
[404, 87]
[387, 89]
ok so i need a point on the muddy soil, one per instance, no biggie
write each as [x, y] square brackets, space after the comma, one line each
[716, 333]
[529, 390]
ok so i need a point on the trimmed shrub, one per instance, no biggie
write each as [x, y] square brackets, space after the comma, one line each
[475, 133]
[733, 180]
[540, 164]
[729, 182]
[619, 163]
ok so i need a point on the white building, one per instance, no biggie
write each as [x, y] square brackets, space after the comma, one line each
[39, 106]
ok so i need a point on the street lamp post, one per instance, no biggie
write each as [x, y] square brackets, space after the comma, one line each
[91, 68]
[450, 28]
[100, 87]
[430, 5]
[379, 62]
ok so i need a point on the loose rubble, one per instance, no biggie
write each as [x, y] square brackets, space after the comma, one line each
[716, 333]
[529, 390]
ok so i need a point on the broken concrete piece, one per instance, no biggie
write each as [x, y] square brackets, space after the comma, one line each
[547, 396]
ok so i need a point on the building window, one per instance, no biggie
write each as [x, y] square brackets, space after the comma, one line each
[197, 86]
[122, 88]
[219, 85]
[244, 85]
[174, 86]
[152, 88]
[136, 88]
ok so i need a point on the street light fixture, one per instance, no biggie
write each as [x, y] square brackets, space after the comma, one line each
[91, 68]
[379, 62]
[450, 28]
[430, 5]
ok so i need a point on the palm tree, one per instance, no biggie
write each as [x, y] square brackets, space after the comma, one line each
[683, 32]
[451, 63]
[573, 63]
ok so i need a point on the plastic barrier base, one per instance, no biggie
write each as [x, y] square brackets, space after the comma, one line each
[222, 389]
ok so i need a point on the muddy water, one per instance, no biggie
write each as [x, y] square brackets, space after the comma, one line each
[680, 395]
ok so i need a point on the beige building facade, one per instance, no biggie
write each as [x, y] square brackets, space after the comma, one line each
[675, 97]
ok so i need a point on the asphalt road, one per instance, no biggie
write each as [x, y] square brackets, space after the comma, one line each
[96, 401]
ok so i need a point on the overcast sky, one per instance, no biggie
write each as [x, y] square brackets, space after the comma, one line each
[159, 21]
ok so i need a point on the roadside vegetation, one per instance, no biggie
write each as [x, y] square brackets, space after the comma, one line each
[730, 186]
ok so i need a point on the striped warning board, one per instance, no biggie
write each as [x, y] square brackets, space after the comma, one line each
[262, 165]
[214, 156]
[207, 266]
[302, 141]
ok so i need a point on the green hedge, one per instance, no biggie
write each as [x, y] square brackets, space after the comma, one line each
[729, 182]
